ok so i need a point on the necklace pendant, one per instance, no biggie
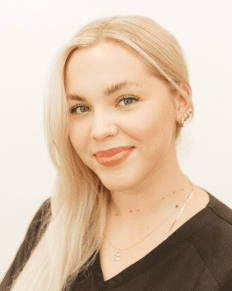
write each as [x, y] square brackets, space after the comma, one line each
[117, 259]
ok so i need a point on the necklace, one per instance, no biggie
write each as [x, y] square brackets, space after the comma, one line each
[118, 254]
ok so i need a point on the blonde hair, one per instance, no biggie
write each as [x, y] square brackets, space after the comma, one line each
[72, 232]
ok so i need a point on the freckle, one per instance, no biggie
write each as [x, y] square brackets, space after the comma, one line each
[182, 189]
[147, 227]
[177, 206]
[130, 211]
[173, 192]
[163, 198]
[138, 210]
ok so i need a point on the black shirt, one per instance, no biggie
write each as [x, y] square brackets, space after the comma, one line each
[196, 257]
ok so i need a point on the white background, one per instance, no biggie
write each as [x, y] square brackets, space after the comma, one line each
[31, 34]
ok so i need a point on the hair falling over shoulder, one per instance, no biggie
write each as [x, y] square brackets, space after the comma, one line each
[74, 230]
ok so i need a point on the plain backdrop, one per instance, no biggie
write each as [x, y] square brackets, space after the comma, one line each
[31, 34]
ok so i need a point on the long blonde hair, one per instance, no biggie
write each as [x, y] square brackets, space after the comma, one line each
[72, 232]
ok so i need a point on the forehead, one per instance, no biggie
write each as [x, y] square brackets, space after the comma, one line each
[108, 61]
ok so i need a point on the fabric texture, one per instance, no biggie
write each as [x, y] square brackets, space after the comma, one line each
[196, 257]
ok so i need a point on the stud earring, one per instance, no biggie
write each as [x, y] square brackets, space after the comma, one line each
[186, 116]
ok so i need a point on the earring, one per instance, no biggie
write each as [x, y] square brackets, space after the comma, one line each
[186, 116]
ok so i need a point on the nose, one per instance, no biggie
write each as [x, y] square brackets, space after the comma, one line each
[103, 125]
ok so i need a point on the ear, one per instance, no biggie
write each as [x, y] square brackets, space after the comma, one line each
[182, 104]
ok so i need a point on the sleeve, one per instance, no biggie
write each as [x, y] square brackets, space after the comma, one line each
[28, 244]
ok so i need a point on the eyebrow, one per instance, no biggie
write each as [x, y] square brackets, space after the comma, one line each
[109, 91]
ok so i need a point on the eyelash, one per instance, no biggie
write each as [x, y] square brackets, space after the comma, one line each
[73, 109]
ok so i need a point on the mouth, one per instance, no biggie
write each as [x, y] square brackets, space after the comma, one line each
[115, 159]
[111, 152]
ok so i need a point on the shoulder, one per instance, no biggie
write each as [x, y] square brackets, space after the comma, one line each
[30, 240]
[213, 240]
[42, 213]
[37, 227]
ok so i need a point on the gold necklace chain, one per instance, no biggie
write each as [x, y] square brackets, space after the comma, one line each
[118, 254]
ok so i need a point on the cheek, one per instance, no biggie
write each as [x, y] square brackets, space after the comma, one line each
[148, 123]
[71, 130]
[155, 124]
[76, 135]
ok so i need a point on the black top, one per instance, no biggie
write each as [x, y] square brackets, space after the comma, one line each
[196, 257]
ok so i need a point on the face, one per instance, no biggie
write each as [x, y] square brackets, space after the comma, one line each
[144, 119]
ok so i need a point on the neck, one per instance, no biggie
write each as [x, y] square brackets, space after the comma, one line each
[156, 196]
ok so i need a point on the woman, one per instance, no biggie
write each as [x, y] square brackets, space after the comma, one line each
[123, 215]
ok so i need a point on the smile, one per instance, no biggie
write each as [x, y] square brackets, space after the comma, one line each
[114, 160]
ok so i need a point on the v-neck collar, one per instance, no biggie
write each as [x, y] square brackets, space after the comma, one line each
[162, 251]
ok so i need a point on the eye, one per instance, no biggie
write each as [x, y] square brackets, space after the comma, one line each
[128, 98]
[74, 109]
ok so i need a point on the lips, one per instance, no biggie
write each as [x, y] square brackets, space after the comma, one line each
[111, 152]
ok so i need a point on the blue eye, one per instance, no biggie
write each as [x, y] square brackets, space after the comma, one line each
[128, 98]
[73, 110]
